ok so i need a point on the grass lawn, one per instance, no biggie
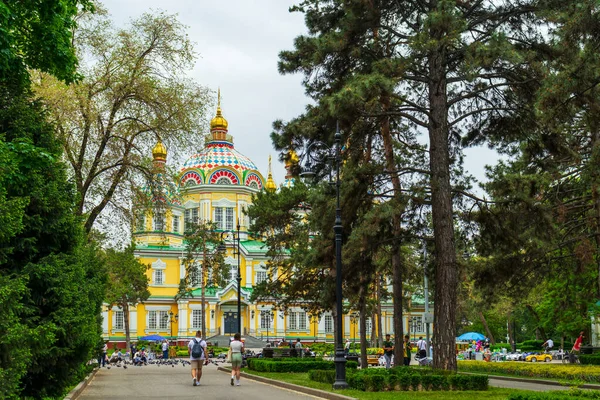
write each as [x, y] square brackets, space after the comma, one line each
[302, 380]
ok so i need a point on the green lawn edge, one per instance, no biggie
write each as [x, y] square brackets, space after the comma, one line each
[301, 379]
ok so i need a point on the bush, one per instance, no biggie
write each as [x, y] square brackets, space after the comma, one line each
[375, 380]
[588, 359]
[320, 375]
[500, 346]
[264, 365]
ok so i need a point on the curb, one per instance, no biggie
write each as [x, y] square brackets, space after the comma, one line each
[76, 391]
[536, 381]
[302, 389]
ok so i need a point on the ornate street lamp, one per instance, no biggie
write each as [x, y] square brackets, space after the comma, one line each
[354, 317]
[172, 319]
[332, 154]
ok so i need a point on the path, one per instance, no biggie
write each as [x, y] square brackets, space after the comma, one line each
[165, 382]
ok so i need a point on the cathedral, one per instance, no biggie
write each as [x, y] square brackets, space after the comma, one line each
[217, 185]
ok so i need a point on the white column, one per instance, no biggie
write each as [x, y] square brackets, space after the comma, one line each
[182, 311]
[181, 268]
[249, 271]
[105, 322]
[133, 322]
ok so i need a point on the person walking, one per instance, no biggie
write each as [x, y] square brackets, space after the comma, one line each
[388, 351]
[197, 350]
[165, 349]
[407, 350]
[298, 347]
[237, 349]
[422, 347]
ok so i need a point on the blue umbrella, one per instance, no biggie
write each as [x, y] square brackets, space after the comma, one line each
[469, 336]
[152, 337]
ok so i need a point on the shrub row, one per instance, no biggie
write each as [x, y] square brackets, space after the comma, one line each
[268, 365]
[589, 359]
[403, 379]
[585, 373]
[296, 359]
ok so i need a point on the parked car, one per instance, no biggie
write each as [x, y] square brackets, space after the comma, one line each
[517, 356]
[535, 357]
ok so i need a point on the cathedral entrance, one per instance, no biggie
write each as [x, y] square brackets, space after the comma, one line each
[230, 322]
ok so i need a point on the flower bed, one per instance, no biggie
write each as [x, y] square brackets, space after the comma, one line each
[376, 380]
[585, 373]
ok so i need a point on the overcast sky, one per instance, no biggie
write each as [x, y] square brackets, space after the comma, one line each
[239, 42]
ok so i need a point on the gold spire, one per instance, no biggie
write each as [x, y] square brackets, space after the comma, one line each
[218, 122]
[270, 186]
[159, 152]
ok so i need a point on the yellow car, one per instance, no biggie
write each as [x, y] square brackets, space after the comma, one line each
[539, 357]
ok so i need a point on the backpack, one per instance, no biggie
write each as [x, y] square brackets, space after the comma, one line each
[197, 349]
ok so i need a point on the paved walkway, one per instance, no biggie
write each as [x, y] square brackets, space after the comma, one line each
[165, 382]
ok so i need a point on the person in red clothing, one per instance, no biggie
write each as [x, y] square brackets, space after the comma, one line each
[578, 342]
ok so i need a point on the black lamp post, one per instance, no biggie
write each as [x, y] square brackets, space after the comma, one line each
[269, 315]
[414, 327]
[333, 154]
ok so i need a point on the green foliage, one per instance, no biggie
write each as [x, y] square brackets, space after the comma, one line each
[38, 35]
[268, 365]
[52, 282]
[401, 378]
[128, 282]
[589, 359]
[320, 375]
[557, 395]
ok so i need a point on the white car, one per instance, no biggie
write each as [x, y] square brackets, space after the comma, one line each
[515, 356]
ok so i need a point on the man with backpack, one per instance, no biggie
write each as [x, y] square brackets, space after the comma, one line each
[197, 350]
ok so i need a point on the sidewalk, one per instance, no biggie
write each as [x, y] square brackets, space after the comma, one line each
[164, 382]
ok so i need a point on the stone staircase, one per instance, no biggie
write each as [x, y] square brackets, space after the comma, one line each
[250, 341]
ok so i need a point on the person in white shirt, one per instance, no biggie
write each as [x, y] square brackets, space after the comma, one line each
[548, 345]
[237, 349]
[422, 347]
[165, 349]
[197, 360]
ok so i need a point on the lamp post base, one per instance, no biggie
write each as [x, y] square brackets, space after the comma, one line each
[340, 369]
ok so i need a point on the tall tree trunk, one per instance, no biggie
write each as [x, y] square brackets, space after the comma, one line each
[363, 333]
[486, 327]
[539, 329]
[446, 279]
[374, 326]
[397, 267]
[125, 307]
[378, 307]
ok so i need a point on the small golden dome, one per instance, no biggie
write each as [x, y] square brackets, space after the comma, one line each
[159, 152]
[219, 122]
[291, 159]
[270, 185]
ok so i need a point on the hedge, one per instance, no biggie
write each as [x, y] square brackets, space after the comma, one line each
[585, 373]
[588, 359]
[268, 365]
[376, 380]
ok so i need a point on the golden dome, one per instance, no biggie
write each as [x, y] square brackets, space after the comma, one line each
[291, 159]
[270, 185]
[159, 152]
[219, 122]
